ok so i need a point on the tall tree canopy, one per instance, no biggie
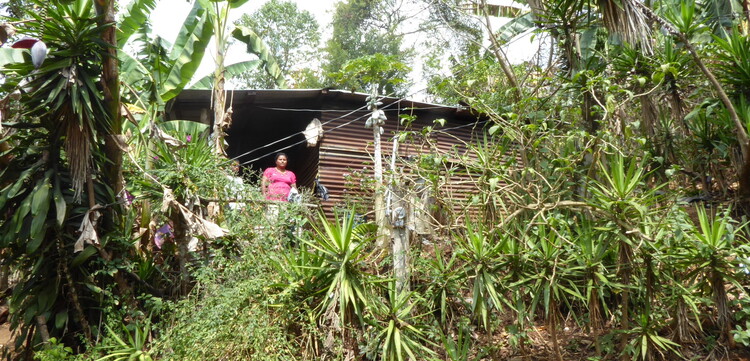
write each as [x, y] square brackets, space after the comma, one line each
[291, 34]
[363, 29]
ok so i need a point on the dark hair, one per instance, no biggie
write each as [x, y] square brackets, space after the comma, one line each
[279, 154]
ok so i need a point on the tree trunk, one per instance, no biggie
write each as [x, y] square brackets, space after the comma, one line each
[183, 254]
[552, 325]
[221, 118]
[624, 274]
[111, 88]
[380, 221]
[400, 236]
[500, 56]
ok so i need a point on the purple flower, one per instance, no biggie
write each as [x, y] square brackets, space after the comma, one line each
[156, 157]
[129, 198]
[189, 138]
[162, 234]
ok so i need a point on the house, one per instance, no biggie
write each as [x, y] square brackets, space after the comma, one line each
[269, 121]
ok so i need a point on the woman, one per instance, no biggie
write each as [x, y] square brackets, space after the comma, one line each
[278, 181]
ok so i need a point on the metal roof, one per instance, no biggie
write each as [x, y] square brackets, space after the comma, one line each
[289, 96]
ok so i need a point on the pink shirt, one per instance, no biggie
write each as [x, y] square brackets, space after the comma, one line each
[279, 184]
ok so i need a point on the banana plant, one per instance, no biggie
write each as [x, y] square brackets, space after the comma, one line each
[169, 72]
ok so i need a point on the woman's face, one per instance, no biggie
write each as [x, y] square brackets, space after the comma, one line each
[281, 161]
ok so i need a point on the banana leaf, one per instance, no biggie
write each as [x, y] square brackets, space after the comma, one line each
[255, 45]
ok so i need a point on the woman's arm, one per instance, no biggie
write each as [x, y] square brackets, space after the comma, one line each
[264, 186]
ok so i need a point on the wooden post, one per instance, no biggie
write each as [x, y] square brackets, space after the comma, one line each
[399, 231]
[375, 121]
[400, 235]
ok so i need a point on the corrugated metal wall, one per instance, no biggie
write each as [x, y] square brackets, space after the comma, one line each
[347, 149]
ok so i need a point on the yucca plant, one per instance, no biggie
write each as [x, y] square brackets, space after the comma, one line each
[481, 255]
[647, 342]
[620, 198]
[734, 61]
[341, 274]
[553, 280]
[463, 347]
[591, 252]
[442, 288]
[135, 348]
[56, 162]
[300, 292]
[712, 259]
[397, 333]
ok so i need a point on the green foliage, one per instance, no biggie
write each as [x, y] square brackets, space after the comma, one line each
[292, 36]
[341, 276]
[134, 348]
[482, 254]
[733, 57]
[397, 336]
[362, 29]
[378, 70]
[255, 45]
[229, 316]
[55, 146]
[647, 343]
[56, 351]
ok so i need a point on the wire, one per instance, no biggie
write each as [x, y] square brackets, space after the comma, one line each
[302, 141]
[332, 129]
[290, 136]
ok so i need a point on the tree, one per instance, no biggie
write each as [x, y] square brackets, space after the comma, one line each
[363, 29]
[59, 161]
[292, 36]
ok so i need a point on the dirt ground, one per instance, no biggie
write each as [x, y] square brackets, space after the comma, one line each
[5, 336]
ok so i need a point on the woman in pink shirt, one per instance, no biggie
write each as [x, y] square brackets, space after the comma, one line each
[278, 181]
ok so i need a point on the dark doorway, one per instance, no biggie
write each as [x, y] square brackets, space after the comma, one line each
[259, 132]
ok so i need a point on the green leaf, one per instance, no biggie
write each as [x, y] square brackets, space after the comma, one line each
[233, 4]
[517, 26]
[83, 256]
[40, 202]
[188, 51]
[231, 71]
[136, 13]
[10, 56]
[46, 298]
[60, 205]
[255, 45]
[23, 210]
[61, 318]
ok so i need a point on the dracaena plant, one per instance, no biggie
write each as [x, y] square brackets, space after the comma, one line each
[481, 254]
[341, 276]
[398, 330]
[712, 256]
[56, 164]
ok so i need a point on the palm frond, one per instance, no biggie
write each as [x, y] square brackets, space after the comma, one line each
[626, 19]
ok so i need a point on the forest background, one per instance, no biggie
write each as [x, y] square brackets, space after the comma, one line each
[610, 186]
